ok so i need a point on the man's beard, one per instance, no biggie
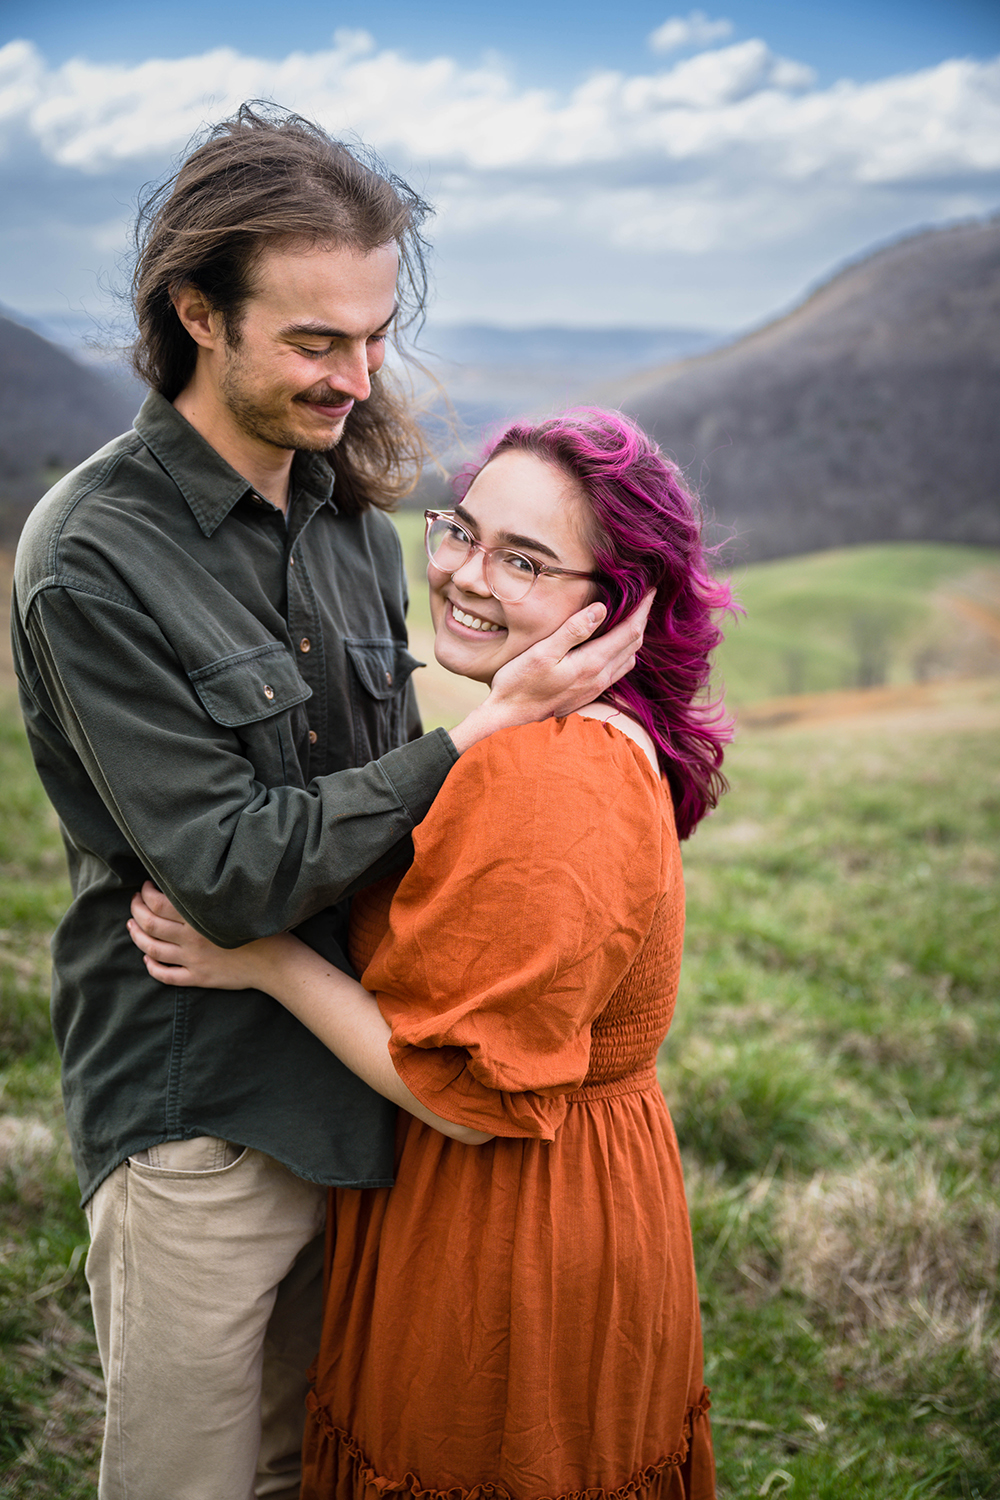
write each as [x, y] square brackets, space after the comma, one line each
[268, 420]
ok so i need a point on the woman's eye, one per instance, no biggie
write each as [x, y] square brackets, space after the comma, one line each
[517, 564]
[456, 534]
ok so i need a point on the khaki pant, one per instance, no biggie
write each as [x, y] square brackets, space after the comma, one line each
[205, 1272]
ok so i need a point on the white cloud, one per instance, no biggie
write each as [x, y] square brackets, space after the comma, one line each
[739, 99]
[21, 73]
[723, 153]
[692, 30]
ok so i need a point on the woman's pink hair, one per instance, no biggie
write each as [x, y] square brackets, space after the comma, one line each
[647, 536]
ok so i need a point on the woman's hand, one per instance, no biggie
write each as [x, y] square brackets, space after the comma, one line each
[174, 953]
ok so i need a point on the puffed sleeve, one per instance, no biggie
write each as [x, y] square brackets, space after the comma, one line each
[534, 883]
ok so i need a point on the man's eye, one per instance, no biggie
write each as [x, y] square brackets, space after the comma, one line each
[313, 353]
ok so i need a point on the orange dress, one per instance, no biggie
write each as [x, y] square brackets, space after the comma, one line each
[520, 1319]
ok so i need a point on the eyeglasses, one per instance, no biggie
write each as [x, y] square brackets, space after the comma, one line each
[510, 575]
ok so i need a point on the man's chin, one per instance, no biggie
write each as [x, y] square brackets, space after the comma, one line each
[319, 441]
[320, 445]
[305, 440]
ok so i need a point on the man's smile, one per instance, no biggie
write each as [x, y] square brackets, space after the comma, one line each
[328, 403]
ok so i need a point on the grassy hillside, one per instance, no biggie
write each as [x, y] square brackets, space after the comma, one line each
[862, 616]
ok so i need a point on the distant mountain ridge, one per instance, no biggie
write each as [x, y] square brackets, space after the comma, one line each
[871, 413]
[630, 348]
[56, 409]
[493, 373]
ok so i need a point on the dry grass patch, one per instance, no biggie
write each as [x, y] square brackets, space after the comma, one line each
[892, 1248]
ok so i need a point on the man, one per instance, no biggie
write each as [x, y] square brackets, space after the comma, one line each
[210, 641]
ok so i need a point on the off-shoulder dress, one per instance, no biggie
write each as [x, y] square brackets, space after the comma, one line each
[520, 1319]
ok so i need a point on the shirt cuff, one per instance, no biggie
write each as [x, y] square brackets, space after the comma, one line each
[417, 771]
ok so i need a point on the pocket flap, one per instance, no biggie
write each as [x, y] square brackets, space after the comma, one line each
[250, 686]
[383, 667]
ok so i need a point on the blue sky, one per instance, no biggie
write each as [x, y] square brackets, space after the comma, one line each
[545, 42]
[635, 164]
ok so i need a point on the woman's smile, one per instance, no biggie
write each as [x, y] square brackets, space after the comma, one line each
[470, 621]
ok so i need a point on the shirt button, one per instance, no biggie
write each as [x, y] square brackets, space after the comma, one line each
[305, 644]
[388, 679]
[313, 736]
[291, 562]
[268, 691]
[257, 499]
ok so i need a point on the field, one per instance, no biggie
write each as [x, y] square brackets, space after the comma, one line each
[833, 1074]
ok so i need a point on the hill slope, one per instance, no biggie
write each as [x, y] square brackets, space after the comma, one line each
[53, 413]
[868, 414]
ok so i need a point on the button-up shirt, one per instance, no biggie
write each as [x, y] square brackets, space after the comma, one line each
[222, 702]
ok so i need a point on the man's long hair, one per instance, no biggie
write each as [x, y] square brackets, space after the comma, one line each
[264, 178]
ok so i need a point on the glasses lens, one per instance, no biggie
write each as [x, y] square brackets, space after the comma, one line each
[447, 544]
[509, 575]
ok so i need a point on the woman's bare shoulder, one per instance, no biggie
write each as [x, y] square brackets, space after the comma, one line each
[608, 714]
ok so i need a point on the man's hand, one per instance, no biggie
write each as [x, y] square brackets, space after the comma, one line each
[557, 675]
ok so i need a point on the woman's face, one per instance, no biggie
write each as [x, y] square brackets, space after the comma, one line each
[516, 501]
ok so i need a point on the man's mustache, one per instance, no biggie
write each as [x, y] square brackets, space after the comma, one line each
[324, 396]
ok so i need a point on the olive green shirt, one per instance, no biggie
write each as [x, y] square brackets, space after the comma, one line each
[222, 703]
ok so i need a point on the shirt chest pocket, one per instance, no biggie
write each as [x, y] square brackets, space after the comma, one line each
[258, 694]
[380, 670]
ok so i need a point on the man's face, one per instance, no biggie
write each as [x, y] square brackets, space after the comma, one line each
[311, 335]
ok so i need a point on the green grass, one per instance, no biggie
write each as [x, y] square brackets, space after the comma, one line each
[49, 1375]
[833, 1072]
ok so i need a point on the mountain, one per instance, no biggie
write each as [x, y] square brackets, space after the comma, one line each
[871, 413]
[54, 412]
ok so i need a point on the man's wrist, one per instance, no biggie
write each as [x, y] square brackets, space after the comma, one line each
[484, 720]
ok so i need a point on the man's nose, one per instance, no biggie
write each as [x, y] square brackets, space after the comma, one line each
[352, 373]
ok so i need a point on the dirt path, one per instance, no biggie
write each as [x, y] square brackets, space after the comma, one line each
[953, 703]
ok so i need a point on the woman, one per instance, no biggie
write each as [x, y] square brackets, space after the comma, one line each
[518, 1316]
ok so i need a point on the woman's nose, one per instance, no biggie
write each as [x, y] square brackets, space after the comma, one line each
[471, 576]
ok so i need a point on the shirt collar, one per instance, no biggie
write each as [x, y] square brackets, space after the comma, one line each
[210, 486]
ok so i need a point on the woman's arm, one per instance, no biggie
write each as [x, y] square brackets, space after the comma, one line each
[333, 1006]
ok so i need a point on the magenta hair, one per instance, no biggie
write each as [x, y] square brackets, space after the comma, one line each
[648, 535]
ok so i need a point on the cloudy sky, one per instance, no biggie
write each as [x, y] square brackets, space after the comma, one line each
[590, 164]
